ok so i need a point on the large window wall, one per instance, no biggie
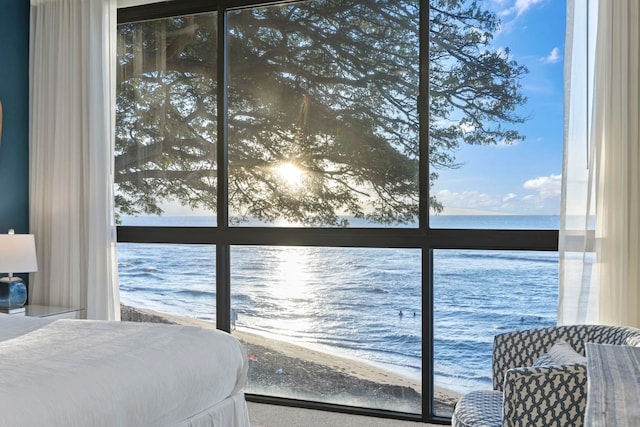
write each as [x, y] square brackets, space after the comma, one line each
[283, 171]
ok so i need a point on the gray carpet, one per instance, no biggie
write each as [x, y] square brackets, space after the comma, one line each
[262, 415]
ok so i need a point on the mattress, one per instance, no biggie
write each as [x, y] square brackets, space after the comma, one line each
[86, 373]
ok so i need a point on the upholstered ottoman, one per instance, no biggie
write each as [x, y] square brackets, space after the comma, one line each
[482, 408]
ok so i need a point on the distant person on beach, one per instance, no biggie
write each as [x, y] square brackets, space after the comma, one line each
[234, 318]
[401, 313]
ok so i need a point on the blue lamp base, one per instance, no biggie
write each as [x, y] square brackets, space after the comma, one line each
[13, 293]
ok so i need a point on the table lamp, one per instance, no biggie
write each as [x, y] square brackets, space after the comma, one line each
[17, 255]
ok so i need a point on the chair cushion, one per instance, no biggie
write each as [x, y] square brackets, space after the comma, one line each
[562, 353]
[482, 408]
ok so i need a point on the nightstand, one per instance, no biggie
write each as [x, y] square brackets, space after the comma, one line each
[52, 311]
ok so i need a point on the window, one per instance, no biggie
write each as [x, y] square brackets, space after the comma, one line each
[340, 306]
[166, 112]
[478, 294]
[276, 178]
[173, 279]
[323, 126]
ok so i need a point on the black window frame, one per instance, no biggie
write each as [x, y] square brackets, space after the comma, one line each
[423, 237]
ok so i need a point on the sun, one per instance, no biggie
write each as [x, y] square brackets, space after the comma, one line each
[289, 173]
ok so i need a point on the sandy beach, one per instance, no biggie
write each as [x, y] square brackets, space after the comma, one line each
[284, 369]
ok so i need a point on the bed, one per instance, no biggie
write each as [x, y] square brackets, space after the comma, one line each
[97, 373]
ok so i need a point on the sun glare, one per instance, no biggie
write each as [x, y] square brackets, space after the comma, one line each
[289, 173]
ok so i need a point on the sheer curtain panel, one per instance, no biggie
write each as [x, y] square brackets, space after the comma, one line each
[600, 225]
[578, 291]
[72, 64]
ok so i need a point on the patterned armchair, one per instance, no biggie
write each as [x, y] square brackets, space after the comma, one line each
[528, 391]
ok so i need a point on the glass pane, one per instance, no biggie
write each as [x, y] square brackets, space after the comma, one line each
[165, 156]
[496, 113]
[324, 324]
[323, 126]
[479, 294]
[167, 282]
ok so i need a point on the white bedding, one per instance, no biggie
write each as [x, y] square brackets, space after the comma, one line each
[98, 373]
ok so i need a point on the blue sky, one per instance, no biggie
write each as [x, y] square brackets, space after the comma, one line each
[523, 178]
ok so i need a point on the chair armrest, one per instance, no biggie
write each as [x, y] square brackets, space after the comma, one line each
[516, 349]
[549, 396]
[523, 348]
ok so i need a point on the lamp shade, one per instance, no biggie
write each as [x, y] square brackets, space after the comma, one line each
[18, 253]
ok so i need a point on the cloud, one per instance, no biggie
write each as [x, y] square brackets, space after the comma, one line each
[471, 199]
[546, 186]
[523, 5]
[553, 57]
[478, 201]
[467, 128]
[506, 143]
[542, 196]
[520, 7]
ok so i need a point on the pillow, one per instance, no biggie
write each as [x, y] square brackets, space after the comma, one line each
[562, 353]
[543, 361]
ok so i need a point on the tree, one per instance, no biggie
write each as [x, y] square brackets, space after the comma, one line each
[326, 89]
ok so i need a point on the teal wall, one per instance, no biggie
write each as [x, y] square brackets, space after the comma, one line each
[14, 94]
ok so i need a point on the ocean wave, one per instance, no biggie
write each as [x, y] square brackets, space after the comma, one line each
[241, 298]
[137, 289]
[464, 376]
[138, 274]
[376, 290]
[510, 256]
[195, 293]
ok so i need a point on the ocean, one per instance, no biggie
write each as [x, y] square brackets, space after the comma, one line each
[348, 300]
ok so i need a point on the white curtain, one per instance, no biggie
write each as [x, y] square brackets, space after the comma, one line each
[600, 227]
[72, 95]
[616, 124]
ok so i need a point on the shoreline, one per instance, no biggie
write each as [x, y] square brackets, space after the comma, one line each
[281, 368]
[324, 354]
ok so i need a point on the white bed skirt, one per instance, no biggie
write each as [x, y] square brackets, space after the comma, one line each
[231, 412]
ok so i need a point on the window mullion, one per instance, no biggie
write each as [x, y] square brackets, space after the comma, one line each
[223, 267]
